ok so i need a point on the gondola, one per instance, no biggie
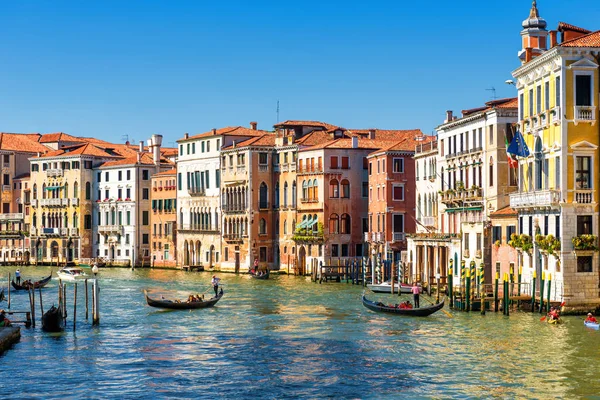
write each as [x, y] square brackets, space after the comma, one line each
[36, 285]
[263, 276]
[415, 312]
[1, 294]
[174, 305]
[52, 320]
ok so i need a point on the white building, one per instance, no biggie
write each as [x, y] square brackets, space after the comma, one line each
[199, 193]
[122, 207]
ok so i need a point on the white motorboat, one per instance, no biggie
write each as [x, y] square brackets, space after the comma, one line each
[386, 287]
[72, 274]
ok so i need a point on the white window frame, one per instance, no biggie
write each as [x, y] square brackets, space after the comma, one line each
[403, 192]
[401, 160]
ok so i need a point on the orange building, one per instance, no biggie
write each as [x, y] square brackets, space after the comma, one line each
[163, 219]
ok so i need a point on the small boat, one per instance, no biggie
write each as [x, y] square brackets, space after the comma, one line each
[183, 305]
[265, 275]
[1, 294]
[554, 321]
[36, 285]
[415, 312]
[72, 274]
[386, 287]
[52, 320]
[593, 325]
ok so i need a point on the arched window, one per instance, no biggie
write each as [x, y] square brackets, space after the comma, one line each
[66, 191]
[276, 205]
[43, 220]
[443, 182]
[334, 189]
[88, 191]
[264, 196]
[34, 220]
[285, 226]
[294, 194]
[315, 226]
[346, 227]
[304, 190]
[539, 162]
[334, 224]
[35, 191]
[44, 191]
[75, 190]
[66, 220]
[262, 230]
[315, 190]
[491, 182]
[345, 189]
[285, 194]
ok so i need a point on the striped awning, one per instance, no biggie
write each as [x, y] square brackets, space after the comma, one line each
[305, 223]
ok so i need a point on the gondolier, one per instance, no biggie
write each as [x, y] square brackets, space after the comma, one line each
[215, 283]
[18, 276]
[415, 292]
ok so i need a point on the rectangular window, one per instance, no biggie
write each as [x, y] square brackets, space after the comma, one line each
[509, 231]
[262, 254]
[496, 234]
[145, 237]
[479, 242]
[344, 250]
[365, 163]
[583, 90]
[491, 129]
[128, 174]
[145, 219]
[87, 221]
[398, 192]
[99, 177]
[530, 102]
[538, 102]
[370, 168]
[180, 149]
[263, 159]
[583, 173]
[120, 175]
[584, 225]
[203, 146]
[547, 96]
[557, 173]
[359, 250]
[398, 165]
[107, 194]
[365, 225]
[218, 178]
[557, 226]
[520, 106]
[106, 176]
[334, 162]
[345, 163]
[208, 146]
[557, 92]
[334, 250]
[466, 240]
[145, 174]
[584, 264]
[365, 189]
[193, 148]
[179, 181]
[127, 238]
[145, 194]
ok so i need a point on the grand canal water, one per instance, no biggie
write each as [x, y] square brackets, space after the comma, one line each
[288, 338]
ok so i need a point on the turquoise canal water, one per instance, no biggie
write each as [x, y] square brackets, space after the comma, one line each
[287, 338]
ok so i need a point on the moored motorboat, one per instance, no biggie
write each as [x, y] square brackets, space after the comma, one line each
[24, 285]
[415, 312]
[73, 274]
[264, 275]
[182, 305]
[386, 287]
[52, 320]
[593, 325]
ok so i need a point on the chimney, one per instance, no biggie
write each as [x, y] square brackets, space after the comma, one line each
[355, 142]
[141, 146]
[156, 143]
[253, 125]
[448, 115]
[233, 144]
[553, 38]
[186, 135]
[127, 143]
[528, 54]
[139, 156]
[371, 133]
[214, 131]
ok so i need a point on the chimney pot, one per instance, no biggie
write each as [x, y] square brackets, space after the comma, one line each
[448, 115]
[371, 133]
[186, 135]
[553, 37]
[127, 143]
[214, 131]
[254, 125]
[141, 146]
[355, 142]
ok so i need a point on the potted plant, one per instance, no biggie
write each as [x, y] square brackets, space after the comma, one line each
[585, 242]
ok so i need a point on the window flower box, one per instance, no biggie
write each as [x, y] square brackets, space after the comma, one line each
[585, 243]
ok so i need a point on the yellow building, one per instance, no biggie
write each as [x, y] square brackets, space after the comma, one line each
[558, 90]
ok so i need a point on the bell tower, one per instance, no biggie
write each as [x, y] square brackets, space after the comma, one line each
[534, 36]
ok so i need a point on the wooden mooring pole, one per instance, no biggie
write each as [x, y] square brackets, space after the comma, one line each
[41, 302]
[86, 300]
[96, 303]
[75, 307]
[8, 290]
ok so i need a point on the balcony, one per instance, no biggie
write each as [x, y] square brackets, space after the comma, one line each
[584, 196]
[284, 167]
[263, 205]
[399, 236]
[197, 191]
[311, 170]
[34, 203]
[585, 114]
[428, 221]
[241, 169]
[233, 238]
[555, 115]
[198, 228]
[54, 172]
[263, 168]
[233, 208]
[110, 229]
[64, 202]
[75, 202]
[426, 147]
[64, 231]
[6, 188]
[74, 232]
[49, 231]
[11, 217]
[540, 198]
[50, 202]
[307, 200]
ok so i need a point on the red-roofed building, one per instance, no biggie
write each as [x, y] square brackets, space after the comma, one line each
[163, 219]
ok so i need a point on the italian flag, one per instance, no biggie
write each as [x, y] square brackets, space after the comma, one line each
[512, 163]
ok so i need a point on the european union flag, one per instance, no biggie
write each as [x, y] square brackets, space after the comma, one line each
[518, 146]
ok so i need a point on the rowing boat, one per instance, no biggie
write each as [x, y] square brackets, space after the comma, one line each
[176, 305]
[52, 320]
[386, 287]
[36, 285]
[415, 312]
[593, 325]
[265, 275]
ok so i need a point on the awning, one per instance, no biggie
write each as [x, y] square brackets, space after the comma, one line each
[305, 223]
[462, 209]
[53, 187]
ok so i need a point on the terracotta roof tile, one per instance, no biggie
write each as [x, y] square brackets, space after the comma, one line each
[264, 140]
[231, 131]
[145, 159]
[506, 212]
[55, 137]
[87, 149]
[290, 123]
[21, 142]
[346, 143]
[589, 40]
[386, 134]
[171, 172]
[314, 137]
[563, 26]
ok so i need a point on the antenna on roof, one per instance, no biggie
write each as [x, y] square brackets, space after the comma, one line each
[125, 138]
[493, 90]
[277, 111]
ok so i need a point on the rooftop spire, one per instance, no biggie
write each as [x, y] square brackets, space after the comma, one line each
[534, 11]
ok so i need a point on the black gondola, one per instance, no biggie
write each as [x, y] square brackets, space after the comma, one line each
[174, 305]
[36, 285]
[415, 312]
[52, 320]
[265, 275]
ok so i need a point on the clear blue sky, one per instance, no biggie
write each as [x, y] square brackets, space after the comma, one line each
[113, 68]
